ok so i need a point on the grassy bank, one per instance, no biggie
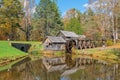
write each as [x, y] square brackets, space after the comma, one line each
[110, 53]
[9, 55]
[8, 66]
[6, 51]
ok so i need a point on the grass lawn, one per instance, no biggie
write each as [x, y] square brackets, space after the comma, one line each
[26, 42]
[10, 52]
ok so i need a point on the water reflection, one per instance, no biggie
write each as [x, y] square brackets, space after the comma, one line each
[36, 71]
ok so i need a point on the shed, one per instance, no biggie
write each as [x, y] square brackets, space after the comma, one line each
[54, 43]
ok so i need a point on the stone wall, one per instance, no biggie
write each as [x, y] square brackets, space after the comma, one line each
[21, 46]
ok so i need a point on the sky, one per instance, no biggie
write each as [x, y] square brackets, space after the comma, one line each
[65, 5]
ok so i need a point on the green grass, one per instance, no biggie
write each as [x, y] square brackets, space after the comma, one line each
[7, 51]
[26, 42]
[36, 48]
[89, 51]
[100, 53]
[60, 53]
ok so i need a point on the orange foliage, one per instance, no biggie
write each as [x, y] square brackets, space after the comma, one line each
[4, 31]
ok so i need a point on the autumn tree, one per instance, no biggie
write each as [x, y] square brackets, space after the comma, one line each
[106, 15]
[10, 16]
[91, 29]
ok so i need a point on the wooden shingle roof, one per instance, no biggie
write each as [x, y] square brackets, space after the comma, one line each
[54, 39]
[69, 34]
[82, 36]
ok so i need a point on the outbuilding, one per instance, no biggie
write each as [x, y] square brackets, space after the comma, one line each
[54, 43]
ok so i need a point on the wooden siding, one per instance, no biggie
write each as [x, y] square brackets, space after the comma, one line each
[55, 47]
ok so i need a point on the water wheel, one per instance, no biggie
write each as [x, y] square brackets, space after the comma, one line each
[68, 56]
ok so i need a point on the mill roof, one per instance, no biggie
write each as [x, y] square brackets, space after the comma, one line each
[82, 36]
[55, 39]
[69, 33]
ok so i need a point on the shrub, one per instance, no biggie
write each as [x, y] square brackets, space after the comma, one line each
[116, 51]
[34, 52]
[109, 43]
[118, 41]
[59, 53]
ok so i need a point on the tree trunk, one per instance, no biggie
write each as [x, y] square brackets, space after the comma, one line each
[114, 27]
[27, 30]
[12, 33]
[116, 33]
[27, 36]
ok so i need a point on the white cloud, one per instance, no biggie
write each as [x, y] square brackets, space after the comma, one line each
[86, 5]
[63, 14]
[92, 5]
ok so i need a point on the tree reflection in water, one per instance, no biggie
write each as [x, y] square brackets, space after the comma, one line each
[36, 71]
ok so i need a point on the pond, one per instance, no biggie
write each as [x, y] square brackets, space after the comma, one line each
[35, 70]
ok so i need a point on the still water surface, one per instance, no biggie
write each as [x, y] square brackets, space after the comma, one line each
[36, 71]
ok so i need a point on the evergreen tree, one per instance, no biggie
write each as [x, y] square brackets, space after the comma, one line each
[72, 21]
[48, 16]
[74, 25]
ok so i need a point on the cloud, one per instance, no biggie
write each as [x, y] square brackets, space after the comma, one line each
[92, 5]
[86, 5]
[63, 14]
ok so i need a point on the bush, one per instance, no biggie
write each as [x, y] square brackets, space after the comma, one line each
[118, 41]
[109, 43]
[59, 53]
[116, 51]
[34, 52]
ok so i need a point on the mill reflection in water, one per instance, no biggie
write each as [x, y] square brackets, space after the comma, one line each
[36, 71]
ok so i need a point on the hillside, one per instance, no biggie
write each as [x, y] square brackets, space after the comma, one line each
[7, 51]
